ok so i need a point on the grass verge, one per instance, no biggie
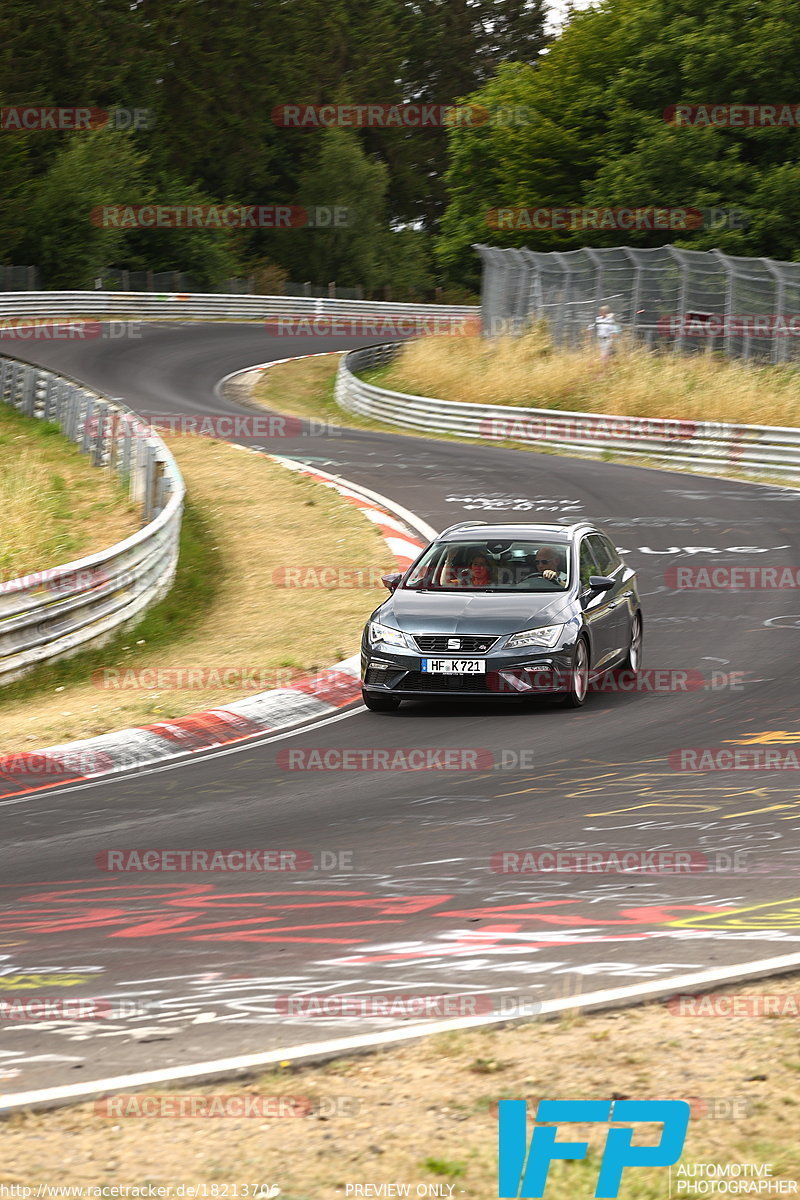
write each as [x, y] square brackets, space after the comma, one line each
[635, 382]
[54, 505]
[305, 388]
[425, 1114]
[247, 519]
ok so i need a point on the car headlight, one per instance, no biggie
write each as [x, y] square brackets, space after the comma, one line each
[545, 635]
[385, 633]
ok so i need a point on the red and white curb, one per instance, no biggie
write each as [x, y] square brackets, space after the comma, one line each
[319, 695]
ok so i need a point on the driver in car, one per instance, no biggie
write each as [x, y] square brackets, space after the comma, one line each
[550, 564]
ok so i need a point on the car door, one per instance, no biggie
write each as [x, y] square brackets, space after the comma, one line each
[619, 598]
[599, 611]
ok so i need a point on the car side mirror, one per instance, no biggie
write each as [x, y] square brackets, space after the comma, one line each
[600, 583]
[391, 581]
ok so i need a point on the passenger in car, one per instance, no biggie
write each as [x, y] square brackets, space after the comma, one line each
[476, 573]
[480, 571]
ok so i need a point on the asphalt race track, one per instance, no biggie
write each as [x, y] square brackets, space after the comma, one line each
[407, 898]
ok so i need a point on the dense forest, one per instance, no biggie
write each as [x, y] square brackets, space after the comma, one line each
[197, 94]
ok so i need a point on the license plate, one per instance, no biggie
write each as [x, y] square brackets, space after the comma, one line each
[454, 666]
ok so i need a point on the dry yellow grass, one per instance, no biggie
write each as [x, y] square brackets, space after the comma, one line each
[54, 505]
[423, 1115]
[635, 382]
[261, 518]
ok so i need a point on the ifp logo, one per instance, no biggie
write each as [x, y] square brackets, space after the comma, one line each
[523, 1169]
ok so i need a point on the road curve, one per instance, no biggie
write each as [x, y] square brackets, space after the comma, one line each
[407, 898]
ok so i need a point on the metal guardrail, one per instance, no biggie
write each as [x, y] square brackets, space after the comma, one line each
[210, 306]
[54, 613]
[756, 448]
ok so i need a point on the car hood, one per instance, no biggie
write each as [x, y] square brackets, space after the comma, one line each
[476, 612]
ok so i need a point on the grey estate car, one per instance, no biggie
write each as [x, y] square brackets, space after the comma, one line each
[503, 611]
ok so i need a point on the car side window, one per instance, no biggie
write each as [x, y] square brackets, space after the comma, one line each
[613, 552]
[607, 558]
[588, 566]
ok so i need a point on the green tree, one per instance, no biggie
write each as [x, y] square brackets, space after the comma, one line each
[408, 262]
[208, 255]
[345, 177]
[599, 133]
[14, 191]
[61, 236]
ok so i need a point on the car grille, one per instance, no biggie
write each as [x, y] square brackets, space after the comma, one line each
[466, 645]
[421, 681]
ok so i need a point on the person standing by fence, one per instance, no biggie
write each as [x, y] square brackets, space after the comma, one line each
[607, 331]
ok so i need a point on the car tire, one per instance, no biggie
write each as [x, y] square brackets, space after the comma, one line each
[578, 676]
[633, 659]
[378, 703]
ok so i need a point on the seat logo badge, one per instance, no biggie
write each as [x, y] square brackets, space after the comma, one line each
[453, 644]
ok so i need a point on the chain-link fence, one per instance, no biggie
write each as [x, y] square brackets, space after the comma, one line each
[686, 300]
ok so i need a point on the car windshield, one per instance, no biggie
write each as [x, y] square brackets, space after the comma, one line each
[493, 566]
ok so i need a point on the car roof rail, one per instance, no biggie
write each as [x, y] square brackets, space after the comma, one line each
[462, 525]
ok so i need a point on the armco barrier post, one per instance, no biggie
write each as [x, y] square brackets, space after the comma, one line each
[126, 460]
[159, 485]
[28, 397]
[86, 432]
[113, 440]
[19, 376]
[99, 455]
[73, 413]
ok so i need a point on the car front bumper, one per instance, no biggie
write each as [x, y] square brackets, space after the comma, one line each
[509, 674]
